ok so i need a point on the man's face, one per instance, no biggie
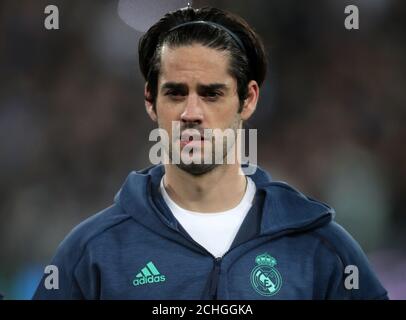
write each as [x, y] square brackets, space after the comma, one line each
[196, 89]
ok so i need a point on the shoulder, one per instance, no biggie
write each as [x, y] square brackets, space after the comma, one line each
[73, 248]
[340, 260]
[337, 240]
[75, 243]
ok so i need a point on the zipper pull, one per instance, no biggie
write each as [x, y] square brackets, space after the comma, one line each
[214, 278]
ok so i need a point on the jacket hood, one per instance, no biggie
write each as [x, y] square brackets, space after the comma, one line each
[284, 209]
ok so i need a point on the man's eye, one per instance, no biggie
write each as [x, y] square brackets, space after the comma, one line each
[213, 95]
[172, 93]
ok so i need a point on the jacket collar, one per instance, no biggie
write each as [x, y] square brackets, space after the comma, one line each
[279, 207]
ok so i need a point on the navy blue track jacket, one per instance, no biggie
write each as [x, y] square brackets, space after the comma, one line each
[288, 247]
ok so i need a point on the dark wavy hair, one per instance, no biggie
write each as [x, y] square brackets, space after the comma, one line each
[246, 64]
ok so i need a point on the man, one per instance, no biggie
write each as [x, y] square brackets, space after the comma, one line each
[204, 230]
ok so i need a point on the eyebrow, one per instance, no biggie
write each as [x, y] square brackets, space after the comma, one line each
[213, 86]
[200, 87]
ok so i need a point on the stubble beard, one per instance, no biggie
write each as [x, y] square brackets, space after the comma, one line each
[198, 169]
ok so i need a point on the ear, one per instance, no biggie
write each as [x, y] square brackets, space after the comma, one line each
[250, 103]
[149, 106]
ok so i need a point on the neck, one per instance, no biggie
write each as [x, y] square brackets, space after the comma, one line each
[219, 190]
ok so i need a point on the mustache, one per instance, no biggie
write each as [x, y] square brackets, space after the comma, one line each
[195, 131]
[188, 126]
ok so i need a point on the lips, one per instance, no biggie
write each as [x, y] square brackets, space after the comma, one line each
[193, 137]
[188, 136]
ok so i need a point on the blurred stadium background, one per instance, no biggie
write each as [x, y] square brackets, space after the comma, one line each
[331, 119]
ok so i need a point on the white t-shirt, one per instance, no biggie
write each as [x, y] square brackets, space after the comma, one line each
[214, 231]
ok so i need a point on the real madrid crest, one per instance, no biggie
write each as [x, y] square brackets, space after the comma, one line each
[265, 278]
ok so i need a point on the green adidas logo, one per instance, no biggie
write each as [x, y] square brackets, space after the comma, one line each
[148, 274]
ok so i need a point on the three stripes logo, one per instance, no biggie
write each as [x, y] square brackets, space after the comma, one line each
[148, 274]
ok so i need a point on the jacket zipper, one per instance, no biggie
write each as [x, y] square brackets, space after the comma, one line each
[214, 278]
[216, 262]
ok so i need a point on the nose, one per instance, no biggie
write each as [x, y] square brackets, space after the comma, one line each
[193, 112]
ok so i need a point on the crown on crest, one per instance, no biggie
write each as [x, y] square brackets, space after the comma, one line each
[265, 259]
